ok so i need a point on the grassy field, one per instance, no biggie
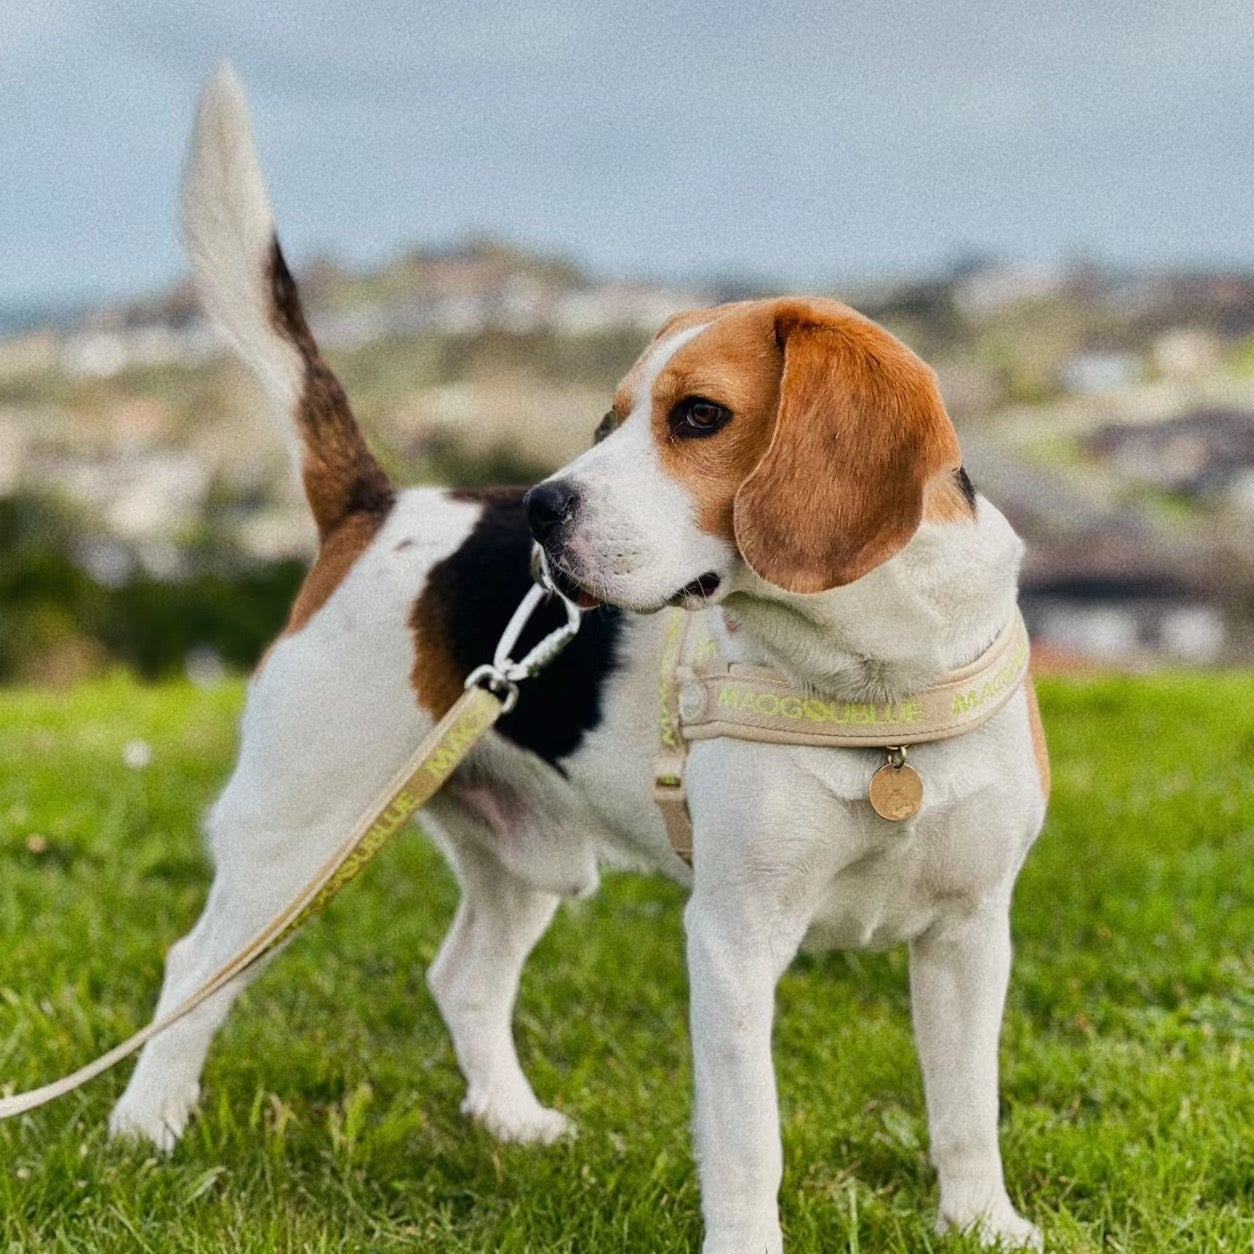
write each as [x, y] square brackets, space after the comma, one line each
[330, 1114]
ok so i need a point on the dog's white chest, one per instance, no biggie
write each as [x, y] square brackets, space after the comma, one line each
[798, 821]
[882, 898]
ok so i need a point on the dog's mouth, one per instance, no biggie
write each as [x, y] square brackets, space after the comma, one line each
[571, 588]
[545, 566]
[702, 587]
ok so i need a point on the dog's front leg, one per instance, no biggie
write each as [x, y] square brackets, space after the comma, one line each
[734, 961]
[958, 976]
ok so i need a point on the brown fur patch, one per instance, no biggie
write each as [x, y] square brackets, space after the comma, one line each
[1039, 748]
[335, 559]
[736, 363]
[625, 394]
[437, 679]
[838, 444]
[341, 475]
[694, 317]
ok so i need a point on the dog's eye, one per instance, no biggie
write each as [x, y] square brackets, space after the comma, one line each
[607, 424]
[696, 415]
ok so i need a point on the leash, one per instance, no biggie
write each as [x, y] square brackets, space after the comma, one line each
[491, 691]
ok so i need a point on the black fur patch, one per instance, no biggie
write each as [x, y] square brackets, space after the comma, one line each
[965, 486]
[469, 598]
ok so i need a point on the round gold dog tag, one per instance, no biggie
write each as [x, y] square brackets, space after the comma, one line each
[896, 792]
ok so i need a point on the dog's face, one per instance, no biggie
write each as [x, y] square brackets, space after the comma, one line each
[792, 437]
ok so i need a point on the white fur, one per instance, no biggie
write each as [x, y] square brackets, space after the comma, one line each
[787, 851]
[229, 232]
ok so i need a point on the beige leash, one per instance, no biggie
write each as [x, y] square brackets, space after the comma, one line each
[491, 690]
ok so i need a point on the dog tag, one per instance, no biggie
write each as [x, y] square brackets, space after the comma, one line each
[896, 790]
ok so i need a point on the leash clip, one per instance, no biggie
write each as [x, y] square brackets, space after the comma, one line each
[487, 676]
[502, 675]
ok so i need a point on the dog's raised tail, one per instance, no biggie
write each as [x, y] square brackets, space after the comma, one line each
[248, 291]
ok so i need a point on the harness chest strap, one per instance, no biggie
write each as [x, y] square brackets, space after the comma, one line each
[702, 697]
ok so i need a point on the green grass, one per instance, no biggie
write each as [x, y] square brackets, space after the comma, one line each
[330, 1114]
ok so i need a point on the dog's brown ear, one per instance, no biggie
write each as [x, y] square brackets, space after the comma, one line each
[859, 433]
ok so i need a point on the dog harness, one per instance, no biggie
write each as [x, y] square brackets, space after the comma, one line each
[703, 696]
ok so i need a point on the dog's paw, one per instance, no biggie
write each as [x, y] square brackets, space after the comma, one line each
[161, 1123]
[998, 1227]
[768, 1240]
[522, 1121]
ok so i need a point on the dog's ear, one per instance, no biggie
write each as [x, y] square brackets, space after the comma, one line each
[859, 433]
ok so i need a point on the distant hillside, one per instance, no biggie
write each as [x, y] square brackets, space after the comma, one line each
[1108, 413]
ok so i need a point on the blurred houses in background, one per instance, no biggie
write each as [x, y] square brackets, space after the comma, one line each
[1110, 415]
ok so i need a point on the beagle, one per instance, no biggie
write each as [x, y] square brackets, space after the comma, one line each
[784, 468]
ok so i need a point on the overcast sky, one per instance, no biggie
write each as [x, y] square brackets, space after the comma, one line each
[803, 143]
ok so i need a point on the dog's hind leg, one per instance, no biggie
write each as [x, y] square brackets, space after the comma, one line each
[327, 724]
[165, 1085]
[268, 831]
[474, 980]
[266, 839]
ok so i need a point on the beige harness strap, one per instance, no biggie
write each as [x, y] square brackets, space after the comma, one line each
[703, 697]
[444, 747]
[668, 773]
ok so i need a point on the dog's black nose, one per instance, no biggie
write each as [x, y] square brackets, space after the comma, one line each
[548, 506]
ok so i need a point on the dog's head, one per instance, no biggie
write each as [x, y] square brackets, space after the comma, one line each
[793, 437]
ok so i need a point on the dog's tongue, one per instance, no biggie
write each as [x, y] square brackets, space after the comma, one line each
[585, 601]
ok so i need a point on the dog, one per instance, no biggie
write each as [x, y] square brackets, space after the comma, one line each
[786, 470]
